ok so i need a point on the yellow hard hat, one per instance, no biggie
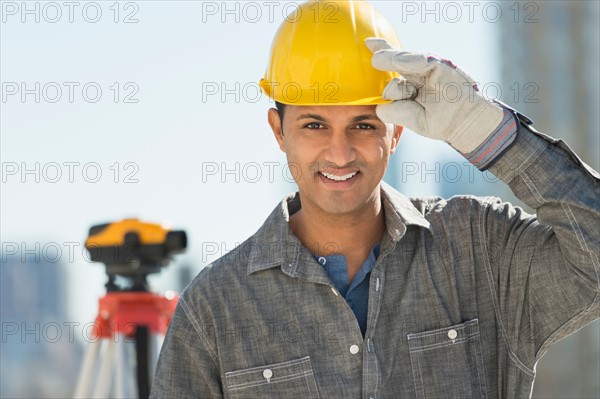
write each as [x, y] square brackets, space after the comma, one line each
[319, 56]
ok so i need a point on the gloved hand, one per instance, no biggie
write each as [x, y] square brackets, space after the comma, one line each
[434, 98]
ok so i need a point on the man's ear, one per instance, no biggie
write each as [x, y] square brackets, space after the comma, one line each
[275, 123]
[396, 137]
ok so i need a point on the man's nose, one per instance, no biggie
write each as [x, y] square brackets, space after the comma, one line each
[341, 150]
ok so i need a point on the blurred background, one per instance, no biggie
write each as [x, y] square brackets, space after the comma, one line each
[151, 109]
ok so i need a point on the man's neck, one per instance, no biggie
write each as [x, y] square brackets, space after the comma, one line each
[352, 235]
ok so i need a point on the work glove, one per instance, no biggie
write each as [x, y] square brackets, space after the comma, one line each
[434, 98]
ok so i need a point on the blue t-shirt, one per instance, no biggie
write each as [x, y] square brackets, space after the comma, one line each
[356, 293]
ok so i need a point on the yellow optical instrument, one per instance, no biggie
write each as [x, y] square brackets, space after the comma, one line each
[133, 249]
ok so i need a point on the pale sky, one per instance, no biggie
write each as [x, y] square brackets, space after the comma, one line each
[180, 135]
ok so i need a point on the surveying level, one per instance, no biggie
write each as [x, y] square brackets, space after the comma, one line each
[133, 249]
[128, 313]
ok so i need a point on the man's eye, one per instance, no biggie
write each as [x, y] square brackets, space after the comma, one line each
[365, 126]
[313, 125]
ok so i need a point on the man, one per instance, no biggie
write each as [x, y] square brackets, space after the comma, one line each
[352, 290]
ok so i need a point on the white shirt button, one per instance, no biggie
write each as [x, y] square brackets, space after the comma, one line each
[268, 373]
[452, 334]
[354, 349]
[322, 260]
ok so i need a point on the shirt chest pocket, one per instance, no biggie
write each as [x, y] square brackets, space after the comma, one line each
[447, 362]
[291, 379]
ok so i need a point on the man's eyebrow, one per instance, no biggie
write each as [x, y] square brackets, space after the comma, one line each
[364, 117]
[311, 116]
[357, 118]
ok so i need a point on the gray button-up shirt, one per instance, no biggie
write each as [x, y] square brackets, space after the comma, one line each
[465, 297]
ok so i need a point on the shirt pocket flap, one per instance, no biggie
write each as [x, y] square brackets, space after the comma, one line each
[433, 339]
[293, 377]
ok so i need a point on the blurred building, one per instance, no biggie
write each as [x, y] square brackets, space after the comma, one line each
[550, 60]
[40, 357]
[549, 52]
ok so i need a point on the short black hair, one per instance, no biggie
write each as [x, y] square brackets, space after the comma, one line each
[280, 110]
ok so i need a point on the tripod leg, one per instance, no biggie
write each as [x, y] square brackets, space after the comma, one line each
[141, 343]
[87, 371]
[105, 377]
[156, 341]
[121, 365]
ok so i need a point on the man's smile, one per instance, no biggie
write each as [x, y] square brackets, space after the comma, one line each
[339, 177]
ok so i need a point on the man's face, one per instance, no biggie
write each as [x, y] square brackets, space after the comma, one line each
[337, 154]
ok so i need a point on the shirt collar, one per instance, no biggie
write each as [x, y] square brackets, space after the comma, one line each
[400, 212]
[274, 244]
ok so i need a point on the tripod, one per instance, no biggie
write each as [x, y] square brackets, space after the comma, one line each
[125, 317]
[130, 250]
